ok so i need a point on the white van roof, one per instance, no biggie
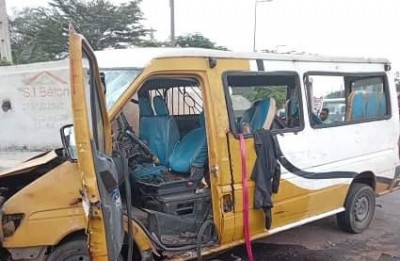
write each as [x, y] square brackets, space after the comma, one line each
[139, 57]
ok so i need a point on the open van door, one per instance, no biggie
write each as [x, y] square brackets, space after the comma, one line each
[100, 192]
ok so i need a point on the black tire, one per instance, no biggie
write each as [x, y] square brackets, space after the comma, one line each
[359, 209]
[73, 250]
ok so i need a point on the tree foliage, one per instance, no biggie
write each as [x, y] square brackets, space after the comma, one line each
[276, 92]
[335, 94]
[197, 40]
[4, 62]
[40, 34]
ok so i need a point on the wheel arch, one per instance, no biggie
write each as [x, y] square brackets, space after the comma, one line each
[81, 234]
[366, 177]
[71, 236]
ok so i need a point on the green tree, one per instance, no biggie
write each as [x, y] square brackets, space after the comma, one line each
[4, 62]
[197, 40]
[276, 92]
[40, 34]
[335, 94]
[37, 35]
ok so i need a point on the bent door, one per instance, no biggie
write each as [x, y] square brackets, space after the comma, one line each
[101, 196]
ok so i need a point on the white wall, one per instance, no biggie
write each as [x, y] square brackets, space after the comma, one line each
[40, 105]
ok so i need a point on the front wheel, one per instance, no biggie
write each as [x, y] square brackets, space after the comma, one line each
[71, 250]
[360, 209]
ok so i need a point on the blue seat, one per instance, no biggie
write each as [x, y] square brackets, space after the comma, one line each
[260, 114]
[358, 106]
[160, 131]
[191, 151]
[382, 104]
[145, 113]
[292, 112]
[372, 108]
[315, 120]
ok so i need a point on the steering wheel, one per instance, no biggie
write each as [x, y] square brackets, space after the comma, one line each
[127, 130]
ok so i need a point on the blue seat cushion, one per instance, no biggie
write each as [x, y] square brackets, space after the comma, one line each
[147, 171]
[161, 134]
[191, 151]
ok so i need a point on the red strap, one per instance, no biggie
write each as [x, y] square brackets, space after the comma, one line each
[246, 225]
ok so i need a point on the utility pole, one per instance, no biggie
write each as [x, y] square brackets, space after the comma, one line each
[172, 7]
[5, 46]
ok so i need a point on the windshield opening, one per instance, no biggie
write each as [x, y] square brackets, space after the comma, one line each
[117, 81]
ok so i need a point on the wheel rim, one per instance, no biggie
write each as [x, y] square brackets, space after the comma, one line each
[77, 257]
[361, 208]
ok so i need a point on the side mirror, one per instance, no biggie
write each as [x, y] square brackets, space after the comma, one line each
[68, 140]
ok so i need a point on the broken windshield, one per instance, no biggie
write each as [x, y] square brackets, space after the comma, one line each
[117, 82]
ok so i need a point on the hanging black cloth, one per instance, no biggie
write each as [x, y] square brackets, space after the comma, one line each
[266, 173]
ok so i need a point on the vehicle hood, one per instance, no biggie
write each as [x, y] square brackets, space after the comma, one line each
[30, 164]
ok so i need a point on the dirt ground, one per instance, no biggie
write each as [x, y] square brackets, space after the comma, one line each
[322, 240]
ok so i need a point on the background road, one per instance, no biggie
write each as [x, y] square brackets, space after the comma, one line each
[322, 240]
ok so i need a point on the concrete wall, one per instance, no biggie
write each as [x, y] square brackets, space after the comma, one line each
[34, 104]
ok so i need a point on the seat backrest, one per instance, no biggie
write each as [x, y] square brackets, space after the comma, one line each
[260, 115]
[292, 112]
[372, 108]
[145, 124]
[191, 151]
[145, 109]
[315, 120]
[160, 132]
[382, 104]
[160, 106]
[358, 106]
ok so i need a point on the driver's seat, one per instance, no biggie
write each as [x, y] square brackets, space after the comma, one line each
[161, 131]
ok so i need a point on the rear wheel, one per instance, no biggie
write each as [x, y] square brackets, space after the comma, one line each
[360, 209]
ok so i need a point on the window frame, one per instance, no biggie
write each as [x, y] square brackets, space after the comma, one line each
[95, 102]
[347, 91]
[231, 113]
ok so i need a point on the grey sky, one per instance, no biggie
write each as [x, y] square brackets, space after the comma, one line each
[334, 27]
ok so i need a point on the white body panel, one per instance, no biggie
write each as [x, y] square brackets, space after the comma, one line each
[357, 147]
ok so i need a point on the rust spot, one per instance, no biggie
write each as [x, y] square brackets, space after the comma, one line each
[75, 201]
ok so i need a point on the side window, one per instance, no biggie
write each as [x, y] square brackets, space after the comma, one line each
[181, 95]
[263, 101]
[327, 102]
[335, 99]
[180, 98]
[183, 100]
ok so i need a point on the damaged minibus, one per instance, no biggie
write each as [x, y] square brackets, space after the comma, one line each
[193, 158]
